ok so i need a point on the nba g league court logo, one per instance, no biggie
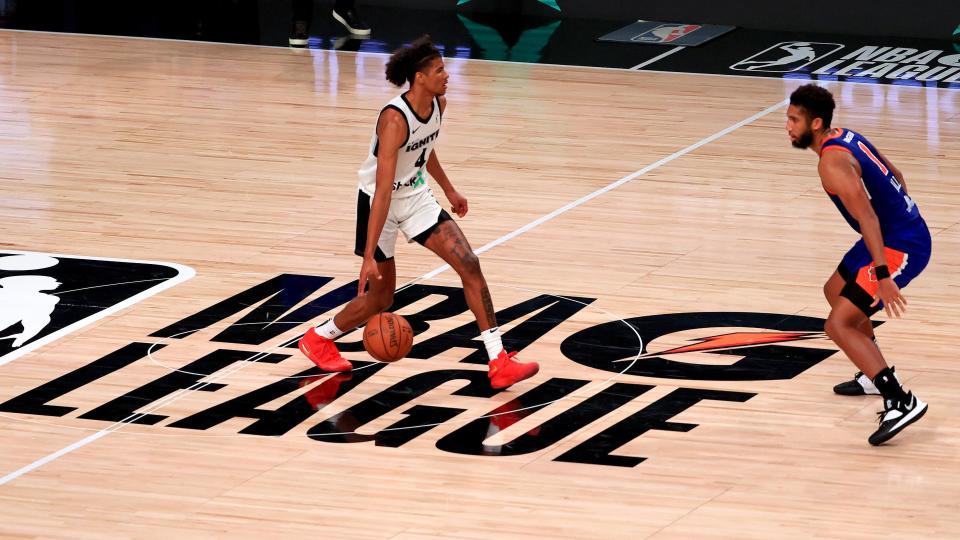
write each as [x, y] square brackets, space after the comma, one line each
[751, 347]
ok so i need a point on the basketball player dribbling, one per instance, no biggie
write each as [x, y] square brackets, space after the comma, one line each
[394, 195]
[895, 247]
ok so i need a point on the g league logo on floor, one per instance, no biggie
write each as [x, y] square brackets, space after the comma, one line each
[44, 296]
[867, 62]
[728, 346]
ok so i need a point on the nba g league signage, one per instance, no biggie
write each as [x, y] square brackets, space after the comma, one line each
[870, 62]
[609, 347]
[895, 63]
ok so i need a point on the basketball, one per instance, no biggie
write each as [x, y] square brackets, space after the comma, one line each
[387, 337]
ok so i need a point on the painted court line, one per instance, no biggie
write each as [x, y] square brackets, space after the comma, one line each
[136, 416]
[586, 198]
[656, 58]
[533, 224]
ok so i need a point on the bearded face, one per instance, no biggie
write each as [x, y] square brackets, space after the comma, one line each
[799, 127]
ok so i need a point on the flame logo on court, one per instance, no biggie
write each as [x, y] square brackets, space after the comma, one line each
[738, 340]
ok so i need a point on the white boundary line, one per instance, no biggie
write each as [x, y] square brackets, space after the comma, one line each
[543, 219]
[655, 58]
[586, 198]
[136, 416]
[56, 455]
[143, 38]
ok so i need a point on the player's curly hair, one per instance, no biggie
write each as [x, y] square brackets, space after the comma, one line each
[405, 62]
[816, 101]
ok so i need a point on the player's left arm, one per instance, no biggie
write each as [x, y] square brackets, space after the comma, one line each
[840, 174]
[458, 203]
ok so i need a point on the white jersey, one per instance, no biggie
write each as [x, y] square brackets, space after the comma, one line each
[410, 178]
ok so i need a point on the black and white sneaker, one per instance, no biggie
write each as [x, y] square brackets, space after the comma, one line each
[298, 35]
[351, 20]
[896, 416]
[861, 385]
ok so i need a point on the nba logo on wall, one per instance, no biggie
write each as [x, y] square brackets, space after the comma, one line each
[787, 56]
[44, 296]
[665, 33]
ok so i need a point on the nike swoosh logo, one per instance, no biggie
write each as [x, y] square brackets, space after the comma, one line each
[907, 417]
[418, 129]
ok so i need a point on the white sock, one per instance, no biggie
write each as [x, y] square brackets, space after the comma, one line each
[491, 340]
[329, 330]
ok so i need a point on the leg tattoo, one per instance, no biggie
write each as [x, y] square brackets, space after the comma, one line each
[488, 306]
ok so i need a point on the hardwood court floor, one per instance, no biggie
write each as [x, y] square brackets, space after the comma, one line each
[240, 163]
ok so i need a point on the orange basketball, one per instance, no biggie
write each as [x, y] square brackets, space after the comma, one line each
[387, 337]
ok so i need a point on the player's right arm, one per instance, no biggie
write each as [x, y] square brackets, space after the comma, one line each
[391, 134]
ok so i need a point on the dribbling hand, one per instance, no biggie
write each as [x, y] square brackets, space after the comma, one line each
[368, 271]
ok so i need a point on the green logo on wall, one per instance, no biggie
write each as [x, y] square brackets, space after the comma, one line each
[548, 3]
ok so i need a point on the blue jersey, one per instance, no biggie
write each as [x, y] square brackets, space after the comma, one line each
[895, 209]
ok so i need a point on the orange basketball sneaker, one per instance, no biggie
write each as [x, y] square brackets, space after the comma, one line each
[323, 352]
[505, 371]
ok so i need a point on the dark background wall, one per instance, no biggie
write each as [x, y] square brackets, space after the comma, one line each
[925, 19]
[933, 19]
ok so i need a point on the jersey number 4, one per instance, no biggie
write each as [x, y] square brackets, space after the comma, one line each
[422, 159]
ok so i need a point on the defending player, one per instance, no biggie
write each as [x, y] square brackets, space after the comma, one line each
[872, 196]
